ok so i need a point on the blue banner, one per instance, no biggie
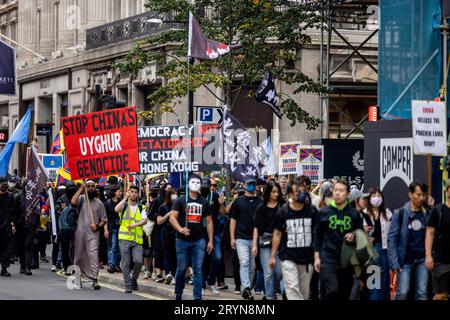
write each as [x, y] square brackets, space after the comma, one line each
[7, 69]
[51, 161]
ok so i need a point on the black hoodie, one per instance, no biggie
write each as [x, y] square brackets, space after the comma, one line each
[333, 224]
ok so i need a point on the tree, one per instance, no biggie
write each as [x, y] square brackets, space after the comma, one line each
[271, 33]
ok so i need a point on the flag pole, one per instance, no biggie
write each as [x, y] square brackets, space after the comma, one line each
[190, 98]
[129, 202]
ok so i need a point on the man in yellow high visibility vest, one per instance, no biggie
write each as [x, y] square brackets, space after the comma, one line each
[131, 237]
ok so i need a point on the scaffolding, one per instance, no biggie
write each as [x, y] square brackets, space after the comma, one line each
[341, 15]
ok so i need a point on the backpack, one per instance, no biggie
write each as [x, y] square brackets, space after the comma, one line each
[68, 220]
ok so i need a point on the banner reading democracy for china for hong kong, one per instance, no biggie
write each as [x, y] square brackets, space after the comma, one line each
[101, 143]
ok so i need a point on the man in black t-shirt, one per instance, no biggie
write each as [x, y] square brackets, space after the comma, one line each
[242, 214]
[293, 237]
[437, 247]
[187, 219]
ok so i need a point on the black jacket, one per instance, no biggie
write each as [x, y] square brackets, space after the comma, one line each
[333, 224]
[20, 213]
[7, 212]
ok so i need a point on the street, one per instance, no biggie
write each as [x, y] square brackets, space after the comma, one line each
[46, 285]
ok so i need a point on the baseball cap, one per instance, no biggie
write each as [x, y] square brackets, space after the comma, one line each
[250, 179]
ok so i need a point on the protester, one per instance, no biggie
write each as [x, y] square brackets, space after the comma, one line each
[186, 218]
[213, 262]
[92, 216]
[437, 247]
[283, 184]
[168, 235]
[131, 237]
[113, 228]
[152, 196]
[67, 231]
[293, 241]
[380, 217]
[406, 244]
[265, 217]
[241, 234]
[13, 190]
[61, 202]
[336, 223]
[7, 226]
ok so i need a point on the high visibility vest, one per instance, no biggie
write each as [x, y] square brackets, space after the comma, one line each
[135, 235]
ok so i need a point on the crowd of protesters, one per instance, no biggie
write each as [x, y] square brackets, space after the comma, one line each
[285, 239]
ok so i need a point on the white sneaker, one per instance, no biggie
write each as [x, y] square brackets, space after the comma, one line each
[153, 276]
[53, 269]
[147, 275]
[169, 279]
[172, 283]
[213, 289]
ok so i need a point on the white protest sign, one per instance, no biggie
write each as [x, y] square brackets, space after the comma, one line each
[429, 123]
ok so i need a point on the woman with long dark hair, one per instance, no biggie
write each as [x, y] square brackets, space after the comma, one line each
[262, 236]
[168, 235]
[381, 220]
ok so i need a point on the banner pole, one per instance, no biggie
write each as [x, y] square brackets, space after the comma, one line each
[129, 202]
[430, 192]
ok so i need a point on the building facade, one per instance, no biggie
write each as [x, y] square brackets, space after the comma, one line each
[82, 39]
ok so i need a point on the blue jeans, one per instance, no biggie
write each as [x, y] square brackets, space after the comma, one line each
[271, 277]
[193, 251]
[216, 258]
[114, 250]
[420, 274]
[384, 292]
[246, 262]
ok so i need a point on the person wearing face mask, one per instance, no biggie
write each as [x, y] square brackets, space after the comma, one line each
[113, 228]
[157, 247]
[168, 235]
[335, 224]
[92, 216]
[149, 202]
[380, 217]
[187, 219]
[7, 226]
[262, 236]
[13, 190]
[242, 214]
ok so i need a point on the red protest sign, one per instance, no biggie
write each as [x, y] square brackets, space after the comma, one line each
[102, 143]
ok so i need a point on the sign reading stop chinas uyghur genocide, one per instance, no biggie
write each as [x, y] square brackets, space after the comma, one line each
[101, 143]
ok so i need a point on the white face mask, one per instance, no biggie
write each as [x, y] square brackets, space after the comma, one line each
[174, 197]
[376, 201]
[11, 185]
[328, 200]
[194, 185]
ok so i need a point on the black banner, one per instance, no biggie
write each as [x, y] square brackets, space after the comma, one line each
[267, 94]
[36, 182]
[166, 149]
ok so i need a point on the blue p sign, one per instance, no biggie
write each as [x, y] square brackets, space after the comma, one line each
[206, 114]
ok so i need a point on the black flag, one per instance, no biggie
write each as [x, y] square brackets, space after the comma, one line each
[203, 48]
[267, 94]
[243, 156]
[36, 183]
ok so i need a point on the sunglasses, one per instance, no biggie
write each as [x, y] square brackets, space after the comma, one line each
[213, 185]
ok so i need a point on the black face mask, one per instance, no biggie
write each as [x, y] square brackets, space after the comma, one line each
[302, 197]
[4, 187]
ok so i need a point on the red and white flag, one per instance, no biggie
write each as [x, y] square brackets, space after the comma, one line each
[203, 48]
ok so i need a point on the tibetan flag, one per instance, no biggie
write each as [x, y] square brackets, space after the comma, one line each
[203, 48]
[102, 181]
[58, 144]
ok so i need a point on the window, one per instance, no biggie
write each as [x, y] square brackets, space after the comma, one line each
[56, 23]
[13, 31]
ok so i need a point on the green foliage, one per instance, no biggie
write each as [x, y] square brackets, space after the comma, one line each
[271, 33]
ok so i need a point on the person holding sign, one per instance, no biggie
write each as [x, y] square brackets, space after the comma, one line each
[133, 217]
[186, 218]
[92, 216]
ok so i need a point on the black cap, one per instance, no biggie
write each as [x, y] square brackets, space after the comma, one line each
[206, 183]
[261, 182]
[3, 180]
[12, 179]
[250, 179]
